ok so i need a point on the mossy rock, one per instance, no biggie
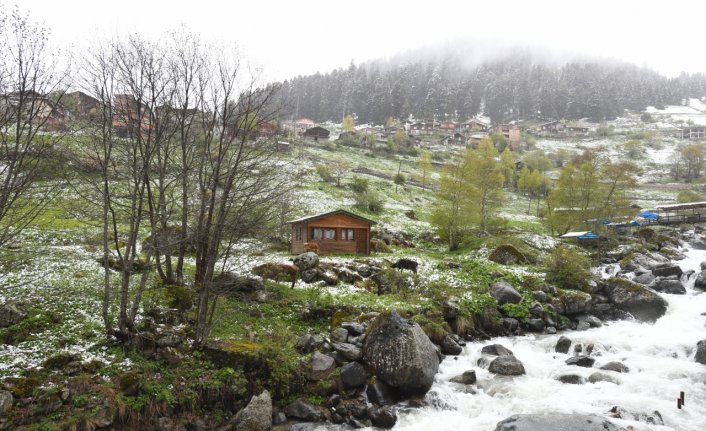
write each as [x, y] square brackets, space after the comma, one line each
[433, 324]
[339, 317]
[646, 234]
[61, 360]
[21, 387]
[236, 354]
[180, 297]
[130, 382]
[507, 254]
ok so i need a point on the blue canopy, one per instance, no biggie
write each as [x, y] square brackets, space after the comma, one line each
[588, 235]
[649, 215]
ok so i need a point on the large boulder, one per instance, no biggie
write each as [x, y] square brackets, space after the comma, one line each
[636, 299]
[616, 366]
[382, 417]
[496, 350]
[668, 285]
[257, 415]
[353, 375]
[304, 410]
[450, 347]
[575, 302]
[700, 356]
[400, 354]
[556, 422]
[507, 365]
[10, 314]
[507, 254]
[504, 293]
[666, 269]
[308, 260]
[581, 361]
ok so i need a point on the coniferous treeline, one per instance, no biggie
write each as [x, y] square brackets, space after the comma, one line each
[511, 88]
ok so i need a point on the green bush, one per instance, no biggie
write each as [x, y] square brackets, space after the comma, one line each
[567, 268]
[359, 185]
[325, 173]
[685, 196]
[369, 202]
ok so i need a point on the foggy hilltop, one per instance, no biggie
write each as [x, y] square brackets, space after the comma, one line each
[457, 80]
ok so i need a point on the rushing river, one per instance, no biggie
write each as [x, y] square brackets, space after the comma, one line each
[660, 357]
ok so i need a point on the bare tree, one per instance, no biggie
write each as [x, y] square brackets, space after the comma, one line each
[28, 75]
[237, 177]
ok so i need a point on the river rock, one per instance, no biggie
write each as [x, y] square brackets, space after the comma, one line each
[700, 356]
[400, 354]
[321, 366]
[339, 335]
[636, 299]
[535, 325]
[602, 377]
[353, 375]
[644, 278]
[594, 321]
[349, 351]
[654, 418]
[10, 315]
[666, 269]
[571, 379]
[504, 293]
[536, 309]
[575, 302]
[562, 345]
[467, 378]
[303, 410]
[353, 328]
[496, 350]
[700, 282]
[540, 296]
[581, 361]
[382, 417]
[507, 365]
[6, 401]
[450, 347]
[307, 261]
[556, 422]
[379, 393]
[667, 285]
[616, 366]
[257, 415]
[451, 308]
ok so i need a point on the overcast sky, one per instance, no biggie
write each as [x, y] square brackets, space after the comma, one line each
[293, 37]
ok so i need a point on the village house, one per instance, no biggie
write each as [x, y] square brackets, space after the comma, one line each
[512, 133]
[475, 125]
[317, 133]
[457, 139]
[337, 231]
[561, 128]
[129, 115]
[81, 105]
[45, 113]
[421, 128]
[448, 125]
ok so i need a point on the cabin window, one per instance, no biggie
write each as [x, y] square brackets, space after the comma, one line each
[298, 233]
[347, 234]
[318, 233]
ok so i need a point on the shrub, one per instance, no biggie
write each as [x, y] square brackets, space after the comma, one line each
[567, 268]
[685, 196]
[368, 202]
[359, 185]
[325, 173]
[646, 117]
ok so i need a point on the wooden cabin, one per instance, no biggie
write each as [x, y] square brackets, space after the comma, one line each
[337, 231]
[317, 133]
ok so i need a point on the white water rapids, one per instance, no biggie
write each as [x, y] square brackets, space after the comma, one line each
[660, 357]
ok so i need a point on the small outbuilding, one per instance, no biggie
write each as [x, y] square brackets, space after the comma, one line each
[317, 133]
[337, 231]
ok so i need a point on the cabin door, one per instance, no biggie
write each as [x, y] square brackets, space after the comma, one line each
[361, 240]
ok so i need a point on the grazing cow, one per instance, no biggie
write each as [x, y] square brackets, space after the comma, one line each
[311, 246]
[277, 272]
[406, 264]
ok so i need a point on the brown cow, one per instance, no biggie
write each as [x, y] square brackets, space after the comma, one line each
[277, 272]
[311, 246]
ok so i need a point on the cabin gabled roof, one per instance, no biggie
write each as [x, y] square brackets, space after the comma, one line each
[330, 213]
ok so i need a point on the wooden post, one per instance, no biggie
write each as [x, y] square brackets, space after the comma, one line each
[679, 403]
[681, 397]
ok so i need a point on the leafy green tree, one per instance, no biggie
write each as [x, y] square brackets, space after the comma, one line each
[507, 167]
[486, 181]
[453, 214]
[348, 123]
[692, 160]
[425, 167]
[499, 141]
[537, 160]
[634, 149]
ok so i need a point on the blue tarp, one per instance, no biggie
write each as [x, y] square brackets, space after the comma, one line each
[588, 235]
[649, 215]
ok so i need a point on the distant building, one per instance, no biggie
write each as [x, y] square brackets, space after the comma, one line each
[457, 139]
[80, 104]
[447, 125]
[475, 125]
[512, 133]
[317, 133]
[693, 132]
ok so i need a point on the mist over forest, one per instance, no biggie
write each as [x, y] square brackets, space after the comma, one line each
[457, 81]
